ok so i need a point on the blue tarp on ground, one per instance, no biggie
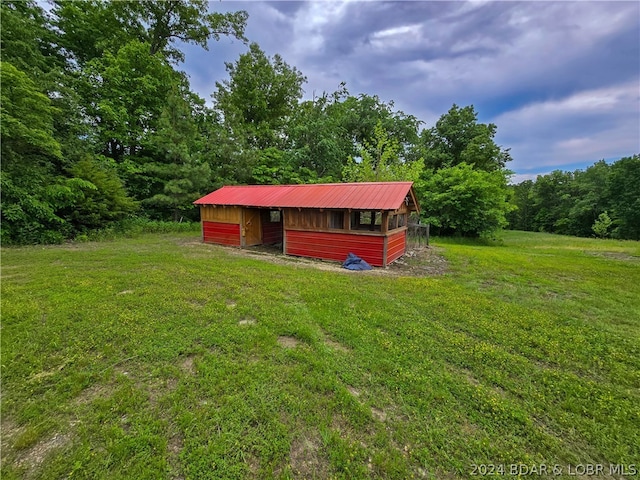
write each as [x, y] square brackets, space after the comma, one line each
[354, 262]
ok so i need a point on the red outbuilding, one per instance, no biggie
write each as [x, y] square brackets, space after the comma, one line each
[325, 221]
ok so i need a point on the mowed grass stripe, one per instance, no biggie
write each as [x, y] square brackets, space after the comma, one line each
[161, 357]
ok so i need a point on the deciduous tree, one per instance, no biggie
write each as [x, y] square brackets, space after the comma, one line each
[258, 100]
[462, 200]
[90, 28]
[126, 93]
[624, 195]
[381, 161]
[458, 137]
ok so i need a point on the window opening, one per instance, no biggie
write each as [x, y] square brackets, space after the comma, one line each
[274, 216]
[366, 220]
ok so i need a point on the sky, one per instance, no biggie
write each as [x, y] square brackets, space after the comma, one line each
[561, 80]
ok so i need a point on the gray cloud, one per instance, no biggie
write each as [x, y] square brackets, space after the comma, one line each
[524, 65]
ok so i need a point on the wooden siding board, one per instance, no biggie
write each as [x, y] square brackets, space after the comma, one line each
[335, 246]
[221, 233]
[396, 246]
[220, 214]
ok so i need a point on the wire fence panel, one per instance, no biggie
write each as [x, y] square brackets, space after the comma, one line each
[418, 235]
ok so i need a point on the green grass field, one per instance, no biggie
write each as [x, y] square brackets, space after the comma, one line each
[160, 357]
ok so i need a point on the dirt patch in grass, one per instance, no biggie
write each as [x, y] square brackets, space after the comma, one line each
[353, 391]
[33, 457]
[417, 262]
[253, 465]
[171, 385]
[44, 374]
[247, 321]
[379, 414]
[158, 388]
[306, 458]
[336, 345]
[288, 342]
[174, 447]
[467, 375]
[186, 365]
[198, 302]
[92, 392]
[420, 262]
[10, 431]
[614, 255]
[341, 424]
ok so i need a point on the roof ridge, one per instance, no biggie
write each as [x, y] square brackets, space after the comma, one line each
[322, 184]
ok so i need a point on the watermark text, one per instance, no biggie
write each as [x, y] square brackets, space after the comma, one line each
[549, 470]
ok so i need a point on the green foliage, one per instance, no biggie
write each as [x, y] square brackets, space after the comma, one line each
[26, 42]
[91, 28]
[127, 92]
[28, 216]
[103, 198]
[27, 119]
[274, 167]
[29, 152]
[601, 225]
[457, 137]
[175, 174]
[187, 21]
[132, 227]
[360, 115]
[463, 190]
[319, 139]
[384, 165]
[256, 105]
[588, 197]
[182, 184]
[571, 202]
[37, 209]
[326, 131]
[465, 201]
[552, 197]
[521, 215]
[258, 99]
[624, 196]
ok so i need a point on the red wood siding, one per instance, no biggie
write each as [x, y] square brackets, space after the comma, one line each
[396, 246]
[222, 233]
[271, 232]
[335, 246]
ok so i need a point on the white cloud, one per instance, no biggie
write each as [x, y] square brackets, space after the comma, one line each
[310, 22]
[396, 38]
[582, 127]
[623, 98]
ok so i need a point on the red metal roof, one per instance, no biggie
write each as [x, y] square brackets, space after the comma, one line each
[357, 196]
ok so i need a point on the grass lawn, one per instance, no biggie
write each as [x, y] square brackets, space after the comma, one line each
[160, 357]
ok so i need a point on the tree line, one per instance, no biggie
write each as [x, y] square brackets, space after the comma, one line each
[601, 201]
[99, 124]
